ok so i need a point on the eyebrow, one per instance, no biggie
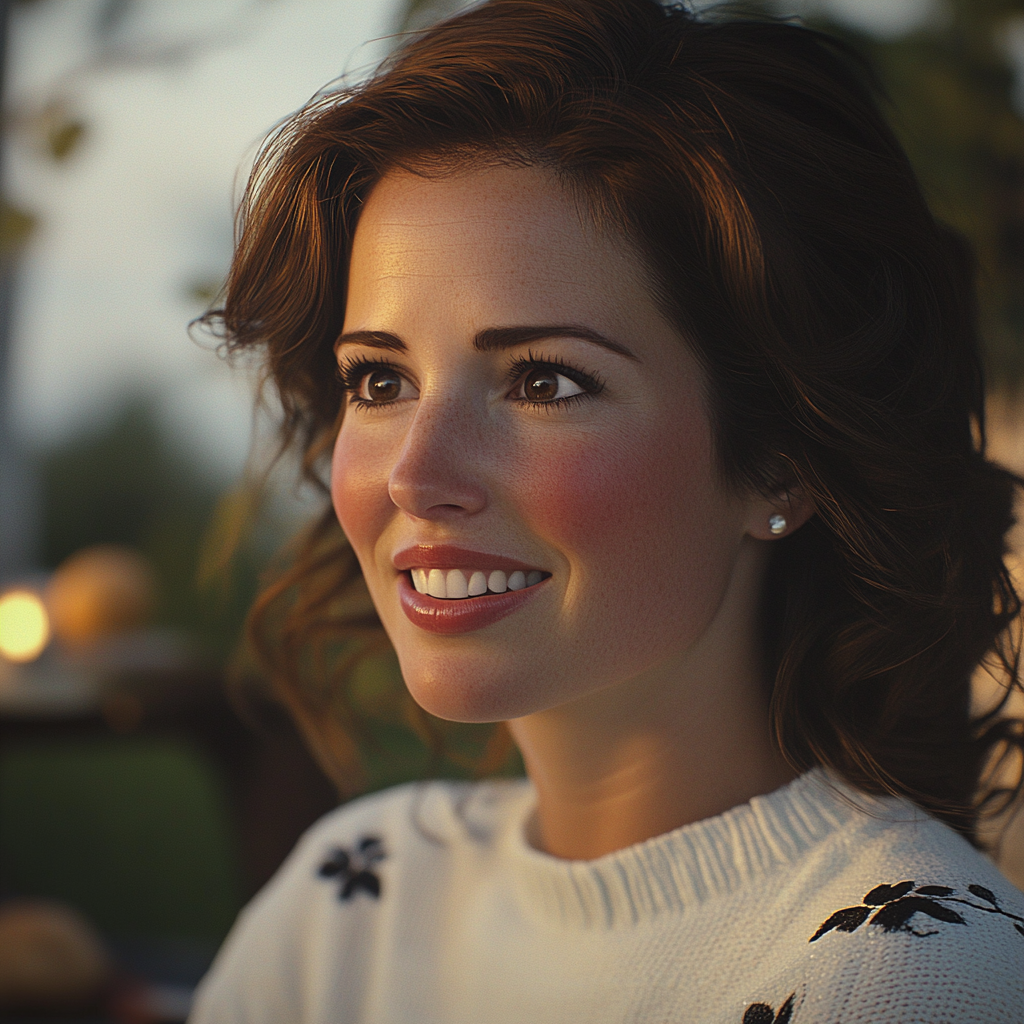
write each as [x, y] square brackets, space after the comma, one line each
[494, 339]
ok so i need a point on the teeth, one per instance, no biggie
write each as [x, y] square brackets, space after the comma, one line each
[435, 584]
[452, 584]
[456, 584]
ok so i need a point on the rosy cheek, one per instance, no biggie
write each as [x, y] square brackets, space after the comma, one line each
[358, 493]
[643, 529]
[617, 496]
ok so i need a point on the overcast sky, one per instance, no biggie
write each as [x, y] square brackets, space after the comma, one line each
[143, 209]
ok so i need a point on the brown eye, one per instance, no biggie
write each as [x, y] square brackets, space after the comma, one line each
[381, 386]
[541, 386]
[545, 385]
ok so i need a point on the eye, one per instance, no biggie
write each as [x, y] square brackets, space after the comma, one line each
[373, 383]
[550, 383]
[380, 386]
[546, 385]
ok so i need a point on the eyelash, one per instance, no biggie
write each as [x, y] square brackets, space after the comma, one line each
[353, 370]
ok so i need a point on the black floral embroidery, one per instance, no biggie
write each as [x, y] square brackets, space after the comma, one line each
[762, 1013]
[897, 904]
[354, 868]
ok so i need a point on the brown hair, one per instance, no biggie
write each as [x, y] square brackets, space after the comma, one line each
[787, 236]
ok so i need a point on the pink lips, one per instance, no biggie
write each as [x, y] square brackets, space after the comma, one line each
[458, 616]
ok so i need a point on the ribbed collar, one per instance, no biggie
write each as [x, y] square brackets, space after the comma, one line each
[689, 865]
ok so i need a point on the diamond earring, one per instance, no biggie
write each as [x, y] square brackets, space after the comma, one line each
[777, 524]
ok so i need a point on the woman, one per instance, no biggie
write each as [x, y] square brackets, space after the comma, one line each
[657, 418]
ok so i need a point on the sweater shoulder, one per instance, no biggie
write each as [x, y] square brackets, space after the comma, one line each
[902, 919]
[439, 811]
[390, 830]
[366, 853]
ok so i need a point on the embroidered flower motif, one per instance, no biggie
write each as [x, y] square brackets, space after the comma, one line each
[762, 1013]
[898, 903]
[353, 868]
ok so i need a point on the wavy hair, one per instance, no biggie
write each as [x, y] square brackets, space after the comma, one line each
[749, 163]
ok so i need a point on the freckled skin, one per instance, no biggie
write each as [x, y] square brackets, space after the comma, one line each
[654, 563]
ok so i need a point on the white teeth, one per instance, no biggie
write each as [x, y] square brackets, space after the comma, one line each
[455, 584]
[436, 584]
[451, 584]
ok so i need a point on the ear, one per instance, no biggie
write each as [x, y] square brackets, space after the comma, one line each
[776, 516]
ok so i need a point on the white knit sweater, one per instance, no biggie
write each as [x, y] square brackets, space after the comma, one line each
[812, 905]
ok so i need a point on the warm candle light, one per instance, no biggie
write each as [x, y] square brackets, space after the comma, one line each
[24, 625]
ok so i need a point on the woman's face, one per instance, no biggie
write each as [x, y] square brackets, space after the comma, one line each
[520, 411]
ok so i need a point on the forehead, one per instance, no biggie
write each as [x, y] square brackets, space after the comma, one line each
[495, 242]
[507, 205]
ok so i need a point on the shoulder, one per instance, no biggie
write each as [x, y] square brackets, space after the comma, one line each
[387, 833]
[365, 856]
[409, 821]
[899, 918]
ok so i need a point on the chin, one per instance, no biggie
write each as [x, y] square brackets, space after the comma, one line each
[467, 689]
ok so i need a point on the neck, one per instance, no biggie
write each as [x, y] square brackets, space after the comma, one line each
[685, 741]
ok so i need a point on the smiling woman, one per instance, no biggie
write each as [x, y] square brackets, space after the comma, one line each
[656, 416]
[463, 451]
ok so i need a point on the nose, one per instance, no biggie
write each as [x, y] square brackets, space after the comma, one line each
[437, 472]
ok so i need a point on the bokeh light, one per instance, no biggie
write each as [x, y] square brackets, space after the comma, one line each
[24, 625]
[100, 591]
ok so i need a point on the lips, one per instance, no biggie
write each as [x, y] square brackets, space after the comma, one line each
[444, 608]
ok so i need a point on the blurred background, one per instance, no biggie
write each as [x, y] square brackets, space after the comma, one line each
[141, 803]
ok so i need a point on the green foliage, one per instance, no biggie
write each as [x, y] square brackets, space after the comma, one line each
[15, 227]
[125, 483]
[134, 834]
[119, 483]
[951, 85]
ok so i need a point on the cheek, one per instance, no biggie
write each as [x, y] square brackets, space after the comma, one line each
[641, 518]
[358, 492]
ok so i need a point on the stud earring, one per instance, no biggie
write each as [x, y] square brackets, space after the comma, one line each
[777, 524]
